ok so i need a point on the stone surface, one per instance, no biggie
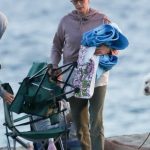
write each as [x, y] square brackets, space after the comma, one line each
[124, 142]
[128, 142]
[135, 139]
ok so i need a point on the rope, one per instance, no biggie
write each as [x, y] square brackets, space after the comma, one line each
[144, 141]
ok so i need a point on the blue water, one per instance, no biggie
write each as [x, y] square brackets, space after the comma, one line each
[32, 24]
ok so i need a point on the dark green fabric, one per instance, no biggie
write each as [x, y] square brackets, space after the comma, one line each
[29, 135]
[38, 135]
[44, 101]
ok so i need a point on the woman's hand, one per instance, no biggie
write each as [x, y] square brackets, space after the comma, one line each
[55, 73]
[8, 97]
[102, 50]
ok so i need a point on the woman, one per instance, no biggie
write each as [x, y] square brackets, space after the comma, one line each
[66, 43]
[4, 94]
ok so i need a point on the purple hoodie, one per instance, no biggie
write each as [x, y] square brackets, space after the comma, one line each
[67, 39]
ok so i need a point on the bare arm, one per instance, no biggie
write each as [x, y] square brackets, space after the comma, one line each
[6, 96]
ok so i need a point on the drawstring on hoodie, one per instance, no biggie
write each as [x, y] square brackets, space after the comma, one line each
[82, 20]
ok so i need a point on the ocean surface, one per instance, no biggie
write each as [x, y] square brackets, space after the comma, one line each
[32, 24]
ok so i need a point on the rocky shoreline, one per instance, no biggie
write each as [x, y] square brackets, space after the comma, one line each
[135, 139]
[124, 142]
[128, 142]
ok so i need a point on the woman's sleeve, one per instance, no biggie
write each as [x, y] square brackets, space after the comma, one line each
[2, 91]
[58, 44]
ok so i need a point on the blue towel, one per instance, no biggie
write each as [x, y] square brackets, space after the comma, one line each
[107, 34]
[106, 62]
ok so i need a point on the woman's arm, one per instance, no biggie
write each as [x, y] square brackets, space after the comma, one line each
[58, 44]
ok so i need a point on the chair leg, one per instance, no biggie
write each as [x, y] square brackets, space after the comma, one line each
[61, 144]
[8, 140]
[8, 143]
[14, 144]
[15, 140]
[25, 145]
[66, 133]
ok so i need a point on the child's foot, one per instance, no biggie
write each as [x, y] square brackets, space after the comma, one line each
[51, 146]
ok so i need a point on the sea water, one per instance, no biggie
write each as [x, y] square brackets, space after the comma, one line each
[31, 27]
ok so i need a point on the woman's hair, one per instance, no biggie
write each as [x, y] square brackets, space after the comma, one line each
[3, 23]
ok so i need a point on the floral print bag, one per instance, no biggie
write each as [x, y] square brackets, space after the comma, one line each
[85, 73]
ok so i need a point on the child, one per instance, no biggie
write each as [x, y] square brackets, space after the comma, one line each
[4, 94]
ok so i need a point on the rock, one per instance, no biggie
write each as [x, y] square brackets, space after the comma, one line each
[128, 142]
[124, 142]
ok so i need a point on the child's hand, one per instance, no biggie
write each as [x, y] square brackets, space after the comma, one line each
[8, 97]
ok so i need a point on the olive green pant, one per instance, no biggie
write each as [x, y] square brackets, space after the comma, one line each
[88, 118]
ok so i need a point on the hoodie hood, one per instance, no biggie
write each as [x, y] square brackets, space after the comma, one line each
[80, 17]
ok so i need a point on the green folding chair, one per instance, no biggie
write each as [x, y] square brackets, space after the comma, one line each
[38, 95]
